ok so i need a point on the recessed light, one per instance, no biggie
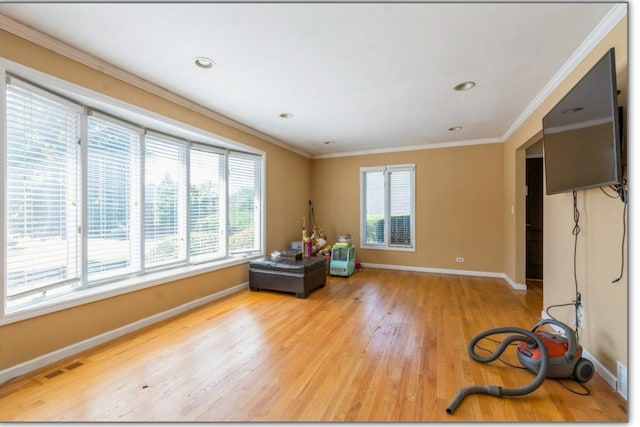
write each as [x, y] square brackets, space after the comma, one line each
[572, 110]
[202, 62]
[455, 128]
[329, 142]
[286, 115]
[464, 85]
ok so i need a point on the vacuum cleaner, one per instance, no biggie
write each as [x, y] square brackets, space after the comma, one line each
[547, 354]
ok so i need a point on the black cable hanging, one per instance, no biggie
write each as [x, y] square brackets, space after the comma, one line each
[622, 193]
[576, 232]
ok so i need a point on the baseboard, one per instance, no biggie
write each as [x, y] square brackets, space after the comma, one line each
[55, 356]
[606, 375]
[514, 285]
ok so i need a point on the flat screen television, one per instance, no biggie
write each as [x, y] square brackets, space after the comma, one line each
[582, 136]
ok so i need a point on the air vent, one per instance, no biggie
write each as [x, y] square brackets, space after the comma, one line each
[73, 366]
[54, 374]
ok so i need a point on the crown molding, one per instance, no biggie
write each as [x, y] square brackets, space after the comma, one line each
[611, 19]
[30, 34]
[430, 146]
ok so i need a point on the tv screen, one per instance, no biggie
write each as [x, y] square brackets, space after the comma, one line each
[581, 133]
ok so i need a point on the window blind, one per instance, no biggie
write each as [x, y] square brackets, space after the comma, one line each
[165, 202]
[113, 218]
[374, 199]
[400, 207]
[244, 207]
[42, 192]
[206, 209]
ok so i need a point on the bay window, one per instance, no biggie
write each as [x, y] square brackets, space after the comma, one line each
[94, 201]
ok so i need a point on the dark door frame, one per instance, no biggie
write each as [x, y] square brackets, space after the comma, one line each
[534, 217]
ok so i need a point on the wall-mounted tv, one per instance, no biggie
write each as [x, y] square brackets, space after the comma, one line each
[582, 133]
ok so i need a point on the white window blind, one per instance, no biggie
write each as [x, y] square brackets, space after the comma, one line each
[113, 215]
[387, 206]
[42, 193]
[400, 207]
[206, 204]
[165, 202]
[374, 195]
[244, 203]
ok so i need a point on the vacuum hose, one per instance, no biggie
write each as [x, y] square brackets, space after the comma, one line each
[498, 391]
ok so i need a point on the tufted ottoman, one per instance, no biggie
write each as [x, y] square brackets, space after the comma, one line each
[288, 275]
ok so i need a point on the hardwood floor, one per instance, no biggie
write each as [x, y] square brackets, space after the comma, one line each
[381, 345]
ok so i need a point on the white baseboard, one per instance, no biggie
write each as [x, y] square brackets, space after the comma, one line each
[606, 375]
[517, 286]
[55, 356]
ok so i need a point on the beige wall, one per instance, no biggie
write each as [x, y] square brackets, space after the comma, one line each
[599, 252]
[286, 202]
[459, 200]
[469, 202]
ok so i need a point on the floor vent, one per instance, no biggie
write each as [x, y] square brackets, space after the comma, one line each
[54, 374]
[73, 366]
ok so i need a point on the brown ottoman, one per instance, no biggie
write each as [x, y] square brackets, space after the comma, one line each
[288, 275]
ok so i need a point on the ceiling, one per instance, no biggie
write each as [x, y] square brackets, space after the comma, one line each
[370, 77]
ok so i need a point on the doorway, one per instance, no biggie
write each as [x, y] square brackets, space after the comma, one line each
[534, 218]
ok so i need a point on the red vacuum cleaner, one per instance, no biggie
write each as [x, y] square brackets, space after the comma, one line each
[547, 354]
[563, 350]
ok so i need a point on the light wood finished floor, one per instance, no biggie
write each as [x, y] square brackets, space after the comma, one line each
[381, 345]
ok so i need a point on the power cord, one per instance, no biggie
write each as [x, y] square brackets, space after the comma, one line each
[577, 303]
[621, 193]
[624, 235]
[585, 392]
[576, 231]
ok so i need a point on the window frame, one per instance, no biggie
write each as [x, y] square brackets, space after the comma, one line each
[222, 210]
[137, 192]
[182, 219]
[387, 170]
[125, 114]
[73, 208]
[259, 191]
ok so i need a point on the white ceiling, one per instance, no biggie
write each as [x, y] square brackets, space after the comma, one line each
[370, 76]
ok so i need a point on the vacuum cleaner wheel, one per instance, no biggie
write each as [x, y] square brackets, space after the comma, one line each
[583, 370]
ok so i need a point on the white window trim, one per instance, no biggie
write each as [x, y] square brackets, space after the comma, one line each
[386, 246]
[121, 111]
[3, 181]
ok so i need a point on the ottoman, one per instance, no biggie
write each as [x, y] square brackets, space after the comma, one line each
[288, 275]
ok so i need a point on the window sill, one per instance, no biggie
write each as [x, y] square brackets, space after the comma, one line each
[97, 293]
[389, 248]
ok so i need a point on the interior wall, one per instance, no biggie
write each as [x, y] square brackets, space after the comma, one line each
[286, 200]
[468, 200]
[459, 206]
[599, 245]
